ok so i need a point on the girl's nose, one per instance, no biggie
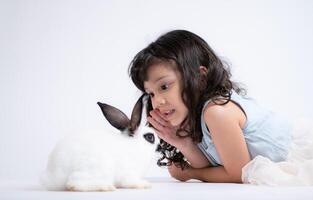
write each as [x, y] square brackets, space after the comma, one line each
[159, 101]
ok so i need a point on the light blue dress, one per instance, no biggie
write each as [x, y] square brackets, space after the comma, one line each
[266, 133]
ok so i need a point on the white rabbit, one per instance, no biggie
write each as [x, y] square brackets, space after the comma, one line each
[104, 161]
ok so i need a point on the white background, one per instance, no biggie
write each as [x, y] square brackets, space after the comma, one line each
[58, 58]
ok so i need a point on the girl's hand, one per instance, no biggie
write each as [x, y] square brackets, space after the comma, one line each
[178, 173]
[164, 129]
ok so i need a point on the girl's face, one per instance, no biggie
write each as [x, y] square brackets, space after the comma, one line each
[164, 87]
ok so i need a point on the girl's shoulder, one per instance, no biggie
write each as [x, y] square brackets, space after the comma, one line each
[222, 112]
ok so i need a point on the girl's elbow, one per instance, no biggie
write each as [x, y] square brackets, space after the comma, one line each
[235, 177]
[234, 174]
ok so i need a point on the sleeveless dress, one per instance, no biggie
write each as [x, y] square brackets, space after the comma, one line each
[281, 151]
[266, 133]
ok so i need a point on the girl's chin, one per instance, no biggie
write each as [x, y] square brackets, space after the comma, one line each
[175, 122]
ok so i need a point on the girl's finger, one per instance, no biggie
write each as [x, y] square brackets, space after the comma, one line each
[159, 127]
[160, 134]
[157, 111]
[158, 117]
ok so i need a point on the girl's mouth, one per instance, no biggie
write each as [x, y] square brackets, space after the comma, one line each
[168, 113]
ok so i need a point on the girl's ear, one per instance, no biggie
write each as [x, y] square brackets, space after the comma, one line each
[203, 70]
[203, 77]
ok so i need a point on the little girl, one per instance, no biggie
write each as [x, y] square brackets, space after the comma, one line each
[209, 128]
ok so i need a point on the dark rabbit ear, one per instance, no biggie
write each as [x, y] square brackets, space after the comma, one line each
[136, 114]
[116, 117]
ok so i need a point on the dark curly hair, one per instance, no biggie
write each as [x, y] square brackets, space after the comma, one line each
[185, 52]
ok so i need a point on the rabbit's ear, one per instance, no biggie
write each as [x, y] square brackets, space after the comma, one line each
[136, 114]
[117, 118]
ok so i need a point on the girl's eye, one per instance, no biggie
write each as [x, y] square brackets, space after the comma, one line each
[164, 87]
[151, 94]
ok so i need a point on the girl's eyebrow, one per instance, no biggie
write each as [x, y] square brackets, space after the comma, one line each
[158, 79]
[162, 77]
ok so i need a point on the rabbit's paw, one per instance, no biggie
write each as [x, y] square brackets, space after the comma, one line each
[135, 184]
[90, 185]
[85, 181]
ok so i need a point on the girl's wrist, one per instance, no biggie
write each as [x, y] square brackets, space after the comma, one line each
[185, 143]
[189, 173]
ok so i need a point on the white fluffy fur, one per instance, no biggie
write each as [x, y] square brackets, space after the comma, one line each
[100, 161]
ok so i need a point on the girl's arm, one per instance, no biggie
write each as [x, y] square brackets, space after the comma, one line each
[207, 174]
[214, 174]
[168, 133]
[224, 123]
[193, 154]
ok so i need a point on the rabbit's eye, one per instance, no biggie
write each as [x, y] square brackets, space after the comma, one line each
[149, 137]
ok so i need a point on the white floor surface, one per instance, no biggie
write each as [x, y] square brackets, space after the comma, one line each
[162, 188]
